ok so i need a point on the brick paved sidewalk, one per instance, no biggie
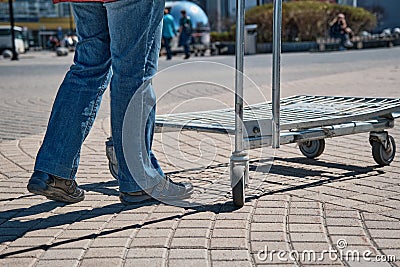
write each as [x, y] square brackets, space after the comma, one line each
[302, 205]
[342, 202]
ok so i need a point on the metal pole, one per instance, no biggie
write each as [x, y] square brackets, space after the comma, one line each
[219, 14]
[14, 50]
[276, 73]
[71, 26]
[239, 57]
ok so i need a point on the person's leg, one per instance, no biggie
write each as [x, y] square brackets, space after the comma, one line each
[79, 96]
[187, 50]
[151, 70]
[135, 33]
[167, 44]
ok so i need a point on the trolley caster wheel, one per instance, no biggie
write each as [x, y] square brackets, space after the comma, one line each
[384, 155]
[238, 177]
[312, 149]
[113, 169]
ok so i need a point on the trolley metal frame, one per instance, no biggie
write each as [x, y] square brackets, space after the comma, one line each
[306, 120]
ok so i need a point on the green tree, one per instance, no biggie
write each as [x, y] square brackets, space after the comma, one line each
[307, 20]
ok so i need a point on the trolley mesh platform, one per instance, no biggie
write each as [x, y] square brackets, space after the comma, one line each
[297, 112]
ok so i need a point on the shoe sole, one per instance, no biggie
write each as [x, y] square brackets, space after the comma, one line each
[138, 200]
[149, 198]
[53, 194]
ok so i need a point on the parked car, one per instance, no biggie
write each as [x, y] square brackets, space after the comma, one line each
[5, 39]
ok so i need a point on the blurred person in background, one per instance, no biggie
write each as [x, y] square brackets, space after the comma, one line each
[185, 30]
[339, 29]
[168, 32]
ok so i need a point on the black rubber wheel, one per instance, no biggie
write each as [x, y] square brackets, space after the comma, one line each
[239, 184]
[113, 170]
[384, 156]
[312, 149]
[238, 193]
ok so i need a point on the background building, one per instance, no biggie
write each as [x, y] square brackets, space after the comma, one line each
[386, 11]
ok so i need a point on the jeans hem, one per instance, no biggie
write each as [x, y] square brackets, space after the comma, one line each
[55, 169]
[129, 187]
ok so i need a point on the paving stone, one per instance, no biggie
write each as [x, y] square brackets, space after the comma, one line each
[113, 252]
[187, 263]
[302, 228]
[231, 264]
[63, 262]
[155, 242]
[154, 233]
[102, 262]
[267, 236]
[308, 237]
[392, 225]
[387, 243]
[11, 262]
[304, 219]
[229, 243]
[192, 232]
[222, 232]
[191, 243]
[230, 255]
[146, 253]
[62, 254]
[237, 224]
[101, 242]
[21, 252]
[32, 241]
[188, 254]
[195, 224]
[345, 231]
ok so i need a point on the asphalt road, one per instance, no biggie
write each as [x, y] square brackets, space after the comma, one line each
[28, 86]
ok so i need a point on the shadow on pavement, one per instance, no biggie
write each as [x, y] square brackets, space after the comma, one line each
[12, 230]
[327, 176]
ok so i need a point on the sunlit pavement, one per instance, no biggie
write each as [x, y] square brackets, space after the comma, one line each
[334, 207]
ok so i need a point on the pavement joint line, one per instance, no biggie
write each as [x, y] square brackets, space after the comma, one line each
[98, 232]
[286, 230]
[133, 235]
[327, 234]
[369, 236]
[248, 232]
[211, 229]
[23, 150]
[13, 162]
[171, 236]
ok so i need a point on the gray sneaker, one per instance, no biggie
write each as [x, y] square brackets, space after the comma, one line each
[55, 188]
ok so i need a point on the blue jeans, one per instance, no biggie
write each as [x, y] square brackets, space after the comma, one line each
[119, 43]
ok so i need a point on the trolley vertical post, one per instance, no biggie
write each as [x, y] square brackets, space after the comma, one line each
[239, 162]
[239, 58]
[276, 73]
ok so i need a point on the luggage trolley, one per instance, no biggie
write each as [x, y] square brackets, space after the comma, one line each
[305, 120]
